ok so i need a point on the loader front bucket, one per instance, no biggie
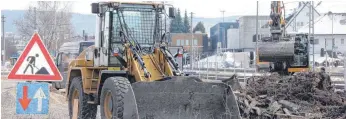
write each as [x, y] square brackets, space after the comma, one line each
[183, 98]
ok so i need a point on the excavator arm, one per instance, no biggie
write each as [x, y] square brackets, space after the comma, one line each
[277, 23]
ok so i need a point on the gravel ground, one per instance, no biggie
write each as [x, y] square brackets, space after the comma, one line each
[58, 106]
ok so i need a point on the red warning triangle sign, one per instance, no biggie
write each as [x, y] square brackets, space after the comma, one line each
[35, 63]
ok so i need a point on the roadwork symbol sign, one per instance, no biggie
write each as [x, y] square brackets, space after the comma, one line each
[35, 63]
[32, 98]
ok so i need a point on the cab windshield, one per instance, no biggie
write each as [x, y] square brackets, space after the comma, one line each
[139, 22]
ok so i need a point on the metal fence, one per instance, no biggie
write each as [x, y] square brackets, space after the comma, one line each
[211, 65]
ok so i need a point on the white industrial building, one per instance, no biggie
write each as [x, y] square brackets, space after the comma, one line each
[244, 39]
[329, 29]
[300, 17]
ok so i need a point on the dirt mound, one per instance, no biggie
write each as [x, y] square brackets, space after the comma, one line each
[304, 95]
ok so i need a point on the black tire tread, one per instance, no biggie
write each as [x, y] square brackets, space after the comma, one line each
[121, 86]
[87, 111]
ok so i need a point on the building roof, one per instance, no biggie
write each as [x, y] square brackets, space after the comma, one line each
[324, 24]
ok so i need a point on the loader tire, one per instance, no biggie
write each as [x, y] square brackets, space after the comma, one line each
[113, 98]
[85, 110]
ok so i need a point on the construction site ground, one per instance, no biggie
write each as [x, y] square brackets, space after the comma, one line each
[303, 95]
[58, 106]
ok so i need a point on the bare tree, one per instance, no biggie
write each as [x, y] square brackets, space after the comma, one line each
[51, 19]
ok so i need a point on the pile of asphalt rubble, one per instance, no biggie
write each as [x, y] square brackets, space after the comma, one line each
[303, 95]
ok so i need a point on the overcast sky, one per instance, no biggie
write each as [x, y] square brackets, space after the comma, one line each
[201, 8]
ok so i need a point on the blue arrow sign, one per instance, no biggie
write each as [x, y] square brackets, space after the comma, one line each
[32, 98]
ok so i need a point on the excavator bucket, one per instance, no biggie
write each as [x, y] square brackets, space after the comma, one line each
[181, 98]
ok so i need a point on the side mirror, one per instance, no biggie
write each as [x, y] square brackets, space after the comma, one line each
[95, 8]
[171, 13]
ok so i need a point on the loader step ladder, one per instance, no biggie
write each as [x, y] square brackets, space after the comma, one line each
[93, 86]
[93, 81]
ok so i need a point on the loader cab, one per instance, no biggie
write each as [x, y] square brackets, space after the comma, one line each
[67, 52]
[140, 21]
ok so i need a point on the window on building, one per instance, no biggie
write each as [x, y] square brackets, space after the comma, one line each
[182, 42]
[178, 42]
[301, 23]
[342, 41]
[315, 41]
[187, 42]
[254, 38]
[195, 42]
[333, 42]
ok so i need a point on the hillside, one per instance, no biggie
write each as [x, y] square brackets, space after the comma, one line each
[87, 21]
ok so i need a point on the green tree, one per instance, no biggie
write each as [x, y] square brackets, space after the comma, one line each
[174, 25]
[177, 25]
[186, 23]
[199, 27]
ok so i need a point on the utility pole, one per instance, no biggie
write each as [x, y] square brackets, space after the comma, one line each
[223, 15]
[55, 35]
[256, 35]
[3, 37]
[345, 70]
[325, 51]
[313, 36]
[333, 40]
[309, 36]
[84, 36]
[224, 30]
[191, 46]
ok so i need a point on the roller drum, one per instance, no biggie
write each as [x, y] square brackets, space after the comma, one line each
[276, 51]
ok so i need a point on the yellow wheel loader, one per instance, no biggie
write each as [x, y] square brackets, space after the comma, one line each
[131, 74]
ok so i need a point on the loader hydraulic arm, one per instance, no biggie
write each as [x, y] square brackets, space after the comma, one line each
[132, 44]
[168, 56]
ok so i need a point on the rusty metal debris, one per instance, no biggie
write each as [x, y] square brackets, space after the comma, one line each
[298, 96]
